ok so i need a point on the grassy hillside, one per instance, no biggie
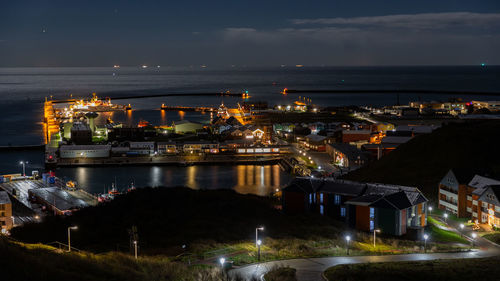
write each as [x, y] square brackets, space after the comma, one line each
[167, 218]
[425, 159]
[20, 262]
[457, 270]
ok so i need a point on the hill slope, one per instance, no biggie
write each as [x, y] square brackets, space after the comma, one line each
[167, 218]
[425, 159]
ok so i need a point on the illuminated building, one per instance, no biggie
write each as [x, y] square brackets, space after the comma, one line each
[394, 209]
[461, 193]
[6, 221]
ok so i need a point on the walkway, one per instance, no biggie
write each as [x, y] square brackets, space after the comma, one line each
[312, 269]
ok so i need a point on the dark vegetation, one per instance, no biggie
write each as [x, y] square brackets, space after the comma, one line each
[281, 274]
[167, 218]
[494, 237]
[37, 262]
[424, 160]
[457, 270]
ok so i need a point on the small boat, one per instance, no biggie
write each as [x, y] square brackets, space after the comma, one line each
[128, 107]
[143, 123]
[131, 188]
[164, 107]
[110, 195]
[106, 197]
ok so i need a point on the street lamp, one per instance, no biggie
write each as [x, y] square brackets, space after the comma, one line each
[135, 249]
[425, 241]
[23, 163]
[222, 261]
[259, 242]
[461, 229]
[430, 208]
[257, 235]
[445, 217]
[474, 235]
[347, 239]
[375, 236]
[69, 236]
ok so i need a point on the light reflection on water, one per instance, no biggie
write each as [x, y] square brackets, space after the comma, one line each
[255, 179]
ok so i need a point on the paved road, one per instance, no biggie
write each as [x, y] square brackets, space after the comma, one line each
[311, 269]
[320, 158]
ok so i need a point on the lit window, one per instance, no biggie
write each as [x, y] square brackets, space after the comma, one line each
[336, 200]
[310, 198]
[322, 209]
[372, 213]
[372, 225]
[342, 212]
[321, 198]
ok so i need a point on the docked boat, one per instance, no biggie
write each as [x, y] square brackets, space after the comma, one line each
[96, 105]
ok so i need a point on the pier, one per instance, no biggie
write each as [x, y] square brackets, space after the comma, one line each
[188, 108]
[36, 194]
[389, 91]
[220, 94]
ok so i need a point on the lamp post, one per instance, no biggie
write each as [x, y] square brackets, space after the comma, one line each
[425, 242]
[23, 163]
[69, 236]
[375, 237]
[474, 235]
[347, 239]
[259, 242]
[430, 209]
[257, 234]
[222, 261]
[445, 217]
[461, 229]
[135, 249]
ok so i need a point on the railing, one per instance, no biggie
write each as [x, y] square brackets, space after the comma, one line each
[455, 203]
[448, 205]
[62, 246]
[448, 193]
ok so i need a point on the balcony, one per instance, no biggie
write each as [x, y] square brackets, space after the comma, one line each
[449, 194]
[448, 205]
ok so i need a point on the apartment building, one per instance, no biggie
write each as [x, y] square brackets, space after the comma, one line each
[6, 221]
[477, 198]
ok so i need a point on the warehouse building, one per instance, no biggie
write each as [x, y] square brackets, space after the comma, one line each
[84, 151]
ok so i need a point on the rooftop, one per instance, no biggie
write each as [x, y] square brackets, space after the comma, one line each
[366, 194]
[479, 181]
[61, 199]
[85, 147]
[4, 197]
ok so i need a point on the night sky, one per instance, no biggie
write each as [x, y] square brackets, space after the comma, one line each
[252, 33]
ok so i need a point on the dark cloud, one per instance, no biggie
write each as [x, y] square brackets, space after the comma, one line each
[413, 21]
[395, 39]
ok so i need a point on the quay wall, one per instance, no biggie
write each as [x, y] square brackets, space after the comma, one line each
[170, 160]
